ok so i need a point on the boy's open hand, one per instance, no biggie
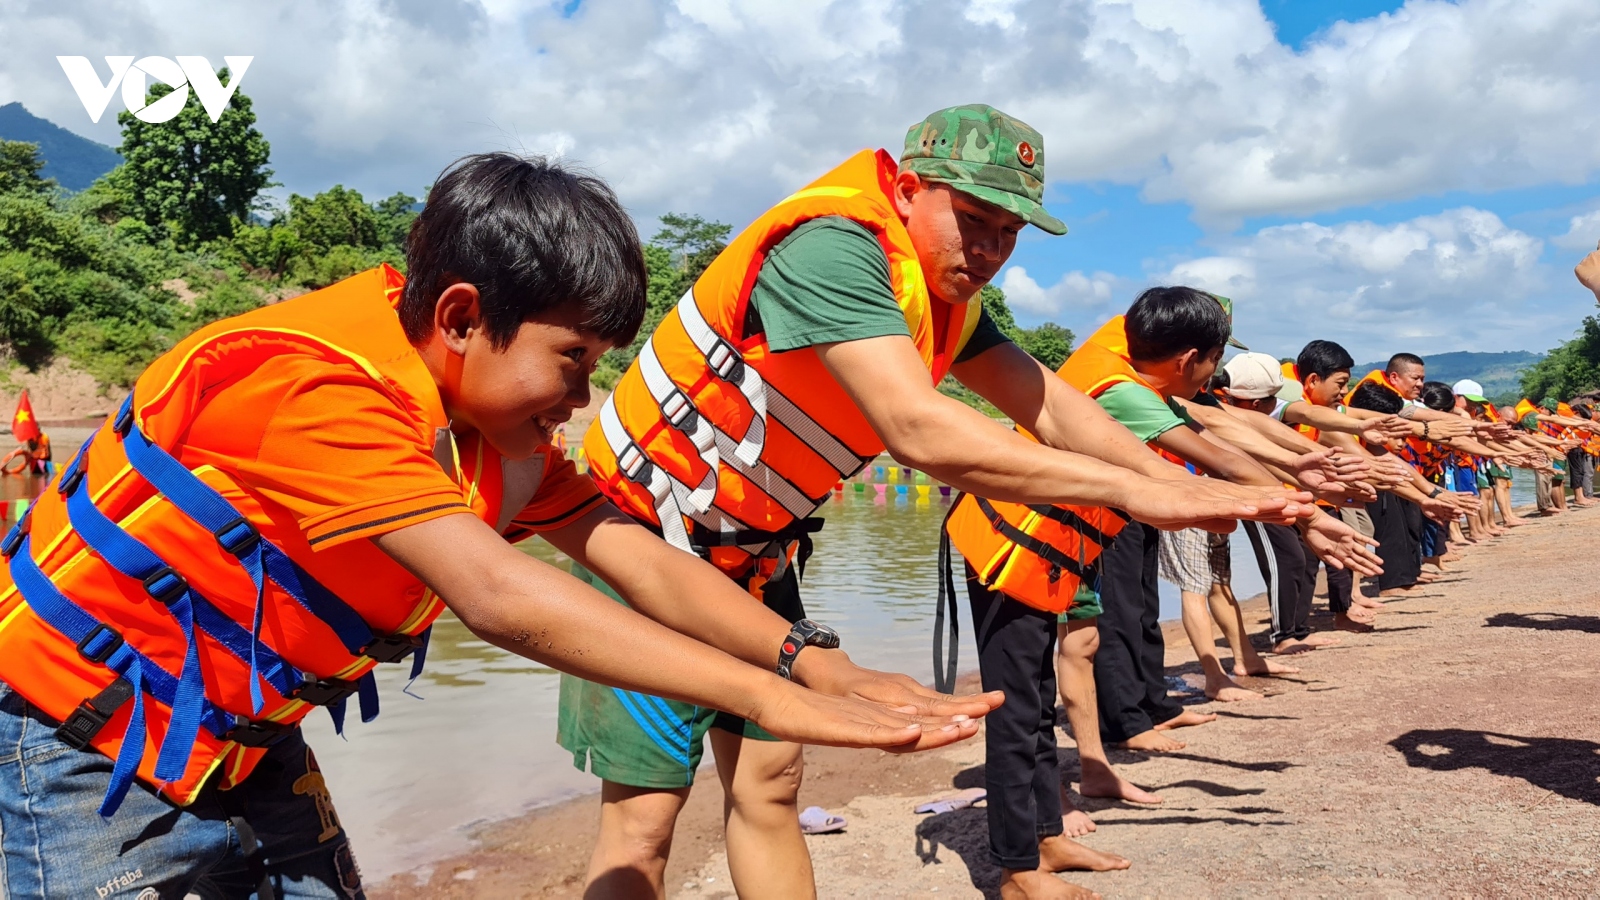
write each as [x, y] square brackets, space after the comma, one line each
[832, 673]
[1341, 546]
[803, 716]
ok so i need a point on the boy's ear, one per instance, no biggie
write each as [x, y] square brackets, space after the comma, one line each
[455, 315]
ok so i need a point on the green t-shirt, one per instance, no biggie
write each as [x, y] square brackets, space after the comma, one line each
[1141, 410]
[828, 281]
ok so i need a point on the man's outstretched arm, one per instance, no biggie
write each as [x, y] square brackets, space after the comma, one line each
[962, 447]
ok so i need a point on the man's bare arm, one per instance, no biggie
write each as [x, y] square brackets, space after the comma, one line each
[923, 428]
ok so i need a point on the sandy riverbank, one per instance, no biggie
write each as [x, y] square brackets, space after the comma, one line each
[1452, 752]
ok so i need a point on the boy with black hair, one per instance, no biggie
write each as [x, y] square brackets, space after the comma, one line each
[293, 495]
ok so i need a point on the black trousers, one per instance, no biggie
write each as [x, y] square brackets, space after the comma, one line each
[1397, 527]
[1016, 654]
[1340, 585]
[1281, 554]
[1130, 667]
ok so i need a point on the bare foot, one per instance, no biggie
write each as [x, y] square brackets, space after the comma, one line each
[1186, 719]
[1352, 624]
[1225, 690]
[1322, 640]
[1362, 600]
[1059, 854]
[1291, 646]
[1152, 741]
[1103, 782]
[1265, 667]
[1076, 823]
[1396, 591]
[1040, 885]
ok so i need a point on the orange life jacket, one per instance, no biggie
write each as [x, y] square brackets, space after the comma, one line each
[1376, 376]
[178, 621]
[1040, 554]
[727, 447]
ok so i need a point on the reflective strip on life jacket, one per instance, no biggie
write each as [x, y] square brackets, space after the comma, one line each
[672, 497]
[724, 361]
[766, 401]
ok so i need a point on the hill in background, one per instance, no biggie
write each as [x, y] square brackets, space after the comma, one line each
[1499, 373]
[73, 161]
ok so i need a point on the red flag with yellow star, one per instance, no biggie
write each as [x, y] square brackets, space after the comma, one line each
[24, 427]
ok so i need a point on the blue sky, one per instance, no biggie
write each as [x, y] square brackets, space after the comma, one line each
[1416, 176]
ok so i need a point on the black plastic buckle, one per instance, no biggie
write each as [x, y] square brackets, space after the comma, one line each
[679, 412]
[726, 362]
[257, 734]
[635, 466]
[79, 728]
[238, 537]
[13, 540]
[104, 653]
[124, 420]
[326, 692]
[70, 481]
[392, 648]
[167, 593]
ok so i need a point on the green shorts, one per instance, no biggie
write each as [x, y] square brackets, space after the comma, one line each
[1499, 472]
[1085, 605]
[642, 741]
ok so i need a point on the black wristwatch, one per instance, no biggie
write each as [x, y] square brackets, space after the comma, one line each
[805, 633]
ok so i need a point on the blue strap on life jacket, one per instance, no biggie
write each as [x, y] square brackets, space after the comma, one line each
[135, 560]
[262, 560]
[99, 643]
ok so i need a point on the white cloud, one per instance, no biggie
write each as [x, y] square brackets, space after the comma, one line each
[1462, 279]
[1583, 233]
[1073, 291]
[719, 106]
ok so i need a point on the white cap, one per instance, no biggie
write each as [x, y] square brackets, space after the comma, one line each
[1253, 376]
[1469, 389]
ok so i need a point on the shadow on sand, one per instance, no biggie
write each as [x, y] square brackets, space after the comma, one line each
[1545, 622]
[1565, 766]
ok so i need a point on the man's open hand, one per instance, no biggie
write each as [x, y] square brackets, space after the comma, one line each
[1588, 272]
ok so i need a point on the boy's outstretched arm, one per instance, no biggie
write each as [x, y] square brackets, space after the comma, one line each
[966, 449]
[688, 595]
[535, 610]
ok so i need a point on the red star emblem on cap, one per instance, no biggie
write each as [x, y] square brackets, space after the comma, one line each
[1025, 153]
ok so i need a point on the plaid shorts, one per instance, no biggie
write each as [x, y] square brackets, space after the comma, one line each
[1195, 559]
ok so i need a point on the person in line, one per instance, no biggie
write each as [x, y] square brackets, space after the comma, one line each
[811, 344]
[1166, 346]
[290, 497]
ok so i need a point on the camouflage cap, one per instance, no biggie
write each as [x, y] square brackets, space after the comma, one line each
[1227, 306]
[983, 152]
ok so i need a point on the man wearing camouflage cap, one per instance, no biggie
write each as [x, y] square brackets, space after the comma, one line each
[809, 346]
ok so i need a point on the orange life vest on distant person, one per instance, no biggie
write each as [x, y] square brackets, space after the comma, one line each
[727, 447]
[145, 587]
[1038, 553]
[1376, 376]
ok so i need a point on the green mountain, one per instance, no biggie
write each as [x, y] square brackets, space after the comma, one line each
[1499, 373]
[73, 161]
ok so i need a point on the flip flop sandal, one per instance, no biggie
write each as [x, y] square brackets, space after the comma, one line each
[816, 820]
[952, 803]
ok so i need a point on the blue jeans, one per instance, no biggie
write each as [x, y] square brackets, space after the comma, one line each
[53, 842]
